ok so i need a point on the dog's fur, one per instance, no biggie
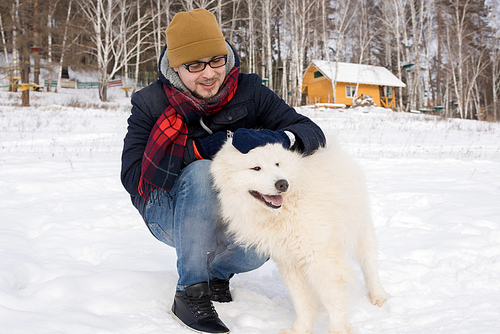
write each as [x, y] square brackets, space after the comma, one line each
[311, 215]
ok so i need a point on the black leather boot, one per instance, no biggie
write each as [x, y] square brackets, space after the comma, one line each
[219, 289]
[193, 309]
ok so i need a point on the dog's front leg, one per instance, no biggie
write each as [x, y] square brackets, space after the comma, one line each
[303, 298]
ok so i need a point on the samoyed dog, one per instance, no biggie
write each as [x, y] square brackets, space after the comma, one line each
[310, 214]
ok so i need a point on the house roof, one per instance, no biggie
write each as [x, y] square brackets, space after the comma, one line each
[356, 73]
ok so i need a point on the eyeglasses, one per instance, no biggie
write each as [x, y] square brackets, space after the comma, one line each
[199, 66]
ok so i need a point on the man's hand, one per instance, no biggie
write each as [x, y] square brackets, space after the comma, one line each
[207, 147]
[246, 139]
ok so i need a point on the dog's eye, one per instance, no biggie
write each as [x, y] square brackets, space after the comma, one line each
[277, 164]
[256, 168]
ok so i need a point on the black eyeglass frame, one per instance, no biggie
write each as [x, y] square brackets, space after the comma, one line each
[186, 66]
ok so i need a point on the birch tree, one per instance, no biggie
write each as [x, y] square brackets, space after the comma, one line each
[399, 54]
[161, 16]
[15, 51]
[344, 12]
[50, 14]
[6, 53]
[455, 47]
[233, 21]
[300, 13]
[138, 47]
[193, 4]
[285, 73]
[427, 79]
[495, 77]
[63, 48]
[495, 67]
[363, 30]
[114, 26]
[415, 51]
[267, 50]
[251, 6]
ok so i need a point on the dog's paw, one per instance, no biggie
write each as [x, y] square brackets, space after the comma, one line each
[340, 326]
[379, 299]
[288, 331]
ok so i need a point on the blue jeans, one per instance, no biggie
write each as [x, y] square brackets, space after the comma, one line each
[188, 219]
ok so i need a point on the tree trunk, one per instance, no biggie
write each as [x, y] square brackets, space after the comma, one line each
[6, 53]
[49, 47]
[284, 74]
[25, 78]
[268, 53]
[15, 51]
[138, 48]
[439, 62]
[251, 36]
[430, 11]
[36, 45]
[63, 49]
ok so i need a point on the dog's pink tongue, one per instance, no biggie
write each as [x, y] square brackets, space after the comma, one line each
[276, 200]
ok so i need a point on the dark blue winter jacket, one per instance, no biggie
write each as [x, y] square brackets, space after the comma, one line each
[253, 106]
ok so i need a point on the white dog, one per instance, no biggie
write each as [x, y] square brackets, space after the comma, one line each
[310, 214]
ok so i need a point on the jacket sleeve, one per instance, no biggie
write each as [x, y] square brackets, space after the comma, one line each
[274, 114]
[147, 104]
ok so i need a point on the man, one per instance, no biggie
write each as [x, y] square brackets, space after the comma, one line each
[177, 125]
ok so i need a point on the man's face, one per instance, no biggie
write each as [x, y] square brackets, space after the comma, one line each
[204, 84]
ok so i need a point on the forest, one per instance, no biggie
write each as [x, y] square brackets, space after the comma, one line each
[447, 52]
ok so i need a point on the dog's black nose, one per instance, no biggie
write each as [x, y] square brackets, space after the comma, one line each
[281, 185]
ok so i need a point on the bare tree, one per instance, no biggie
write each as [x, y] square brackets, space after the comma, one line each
[267, 50]
[427, 79]
[300, 15]
[455, 47]
[63, 48]
[251, 6]
[285, 74]
[495, 74]
[50, 14]
[114, 26]
[282, 35]
[6, 52]
[495, 61]
[15, 50]
[344, 14]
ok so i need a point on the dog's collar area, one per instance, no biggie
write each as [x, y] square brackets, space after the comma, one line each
[272, 201]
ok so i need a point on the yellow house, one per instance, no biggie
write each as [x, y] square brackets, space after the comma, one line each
[352, 81]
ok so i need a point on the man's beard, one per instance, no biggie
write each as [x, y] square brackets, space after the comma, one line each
[206, 98]
[211, 94]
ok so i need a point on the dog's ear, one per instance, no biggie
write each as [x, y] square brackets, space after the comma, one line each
[226, 153]
[229, 147]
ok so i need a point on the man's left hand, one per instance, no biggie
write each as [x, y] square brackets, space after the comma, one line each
[246, 139]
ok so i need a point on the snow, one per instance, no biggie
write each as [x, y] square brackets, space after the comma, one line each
[75, 256]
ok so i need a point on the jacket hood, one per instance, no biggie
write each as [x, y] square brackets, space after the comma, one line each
[167, 75]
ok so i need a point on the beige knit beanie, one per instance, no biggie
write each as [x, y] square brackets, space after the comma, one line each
[194, 35]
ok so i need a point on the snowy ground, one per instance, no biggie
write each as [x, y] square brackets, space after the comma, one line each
[75, 256]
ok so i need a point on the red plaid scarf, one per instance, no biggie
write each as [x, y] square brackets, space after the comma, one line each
[162, 159]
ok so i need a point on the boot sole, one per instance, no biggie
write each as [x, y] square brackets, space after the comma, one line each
[222, 300]
[190, 328]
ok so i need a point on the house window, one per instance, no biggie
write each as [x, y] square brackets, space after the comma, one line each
[350, 91]
[388, 91]
[317, 74]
